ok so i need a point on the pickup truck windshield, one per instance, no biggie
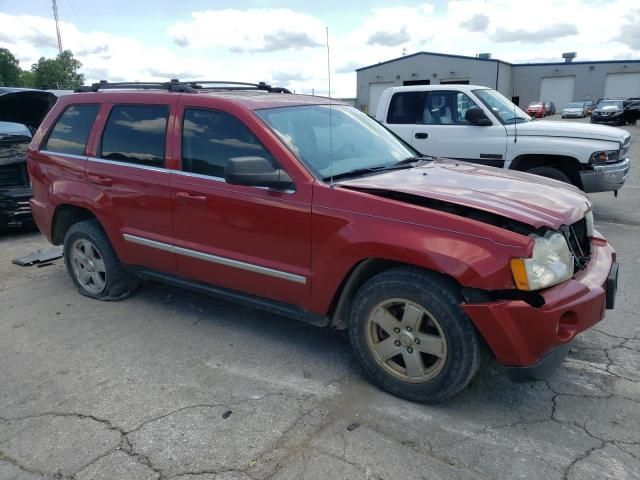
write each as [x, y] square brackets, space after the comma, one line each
[342, 135]
[504, 110]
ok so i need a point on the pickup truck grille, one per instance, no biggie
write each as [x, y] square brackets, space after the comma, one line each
[14, 175]
[579, 244]
[624, 151]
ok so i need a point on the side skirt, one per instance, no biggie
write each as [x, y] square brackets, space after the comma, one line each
[272, 306]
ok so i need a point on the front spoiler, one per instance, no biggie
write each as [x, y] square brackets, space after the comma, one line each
[542, 369]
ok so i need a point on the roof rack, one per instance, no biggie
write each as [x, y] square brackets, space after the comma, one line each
[175, 85]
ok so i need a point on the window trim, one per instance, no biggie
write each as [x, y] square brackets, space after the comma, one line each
[45, 140]
[164, 143]
[181, 170]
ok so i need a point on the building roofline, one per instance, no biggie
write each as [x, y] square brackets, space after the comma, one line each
[465, 57]
[447, 55]
[585, 62]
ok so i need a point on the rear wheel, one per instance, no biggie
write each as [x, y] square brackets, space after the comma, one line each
[411, 337]
[550, 172]
[93, 265]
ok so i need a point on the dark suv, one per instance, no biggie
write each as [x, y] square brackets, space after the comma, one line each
[609, 112]
[309, 208]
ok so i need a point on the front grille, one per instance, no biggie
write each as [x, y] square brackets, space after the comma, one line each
[579, 244]
[14, 175]
[624, 151]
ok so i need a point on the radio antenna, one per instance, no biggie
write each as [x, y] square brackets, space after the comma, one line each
[330, 112]
[515, 120]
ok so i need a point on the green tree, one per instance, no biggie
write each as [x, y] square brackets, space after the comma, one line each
[26, 79]
[9, 69]
[60, 72]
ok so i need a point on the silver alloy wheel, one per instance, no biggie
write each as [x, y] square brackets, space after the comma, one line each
[88, 266]
[406, 340]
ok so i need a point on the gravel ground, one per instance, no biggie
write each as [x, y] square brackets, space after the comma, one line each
[171, 384]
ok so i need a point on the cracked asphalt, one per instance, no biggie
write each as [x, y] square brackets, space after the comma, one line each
[173, 385]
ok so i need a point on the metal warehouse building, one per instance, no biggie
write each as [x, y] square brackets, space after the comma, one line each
[560, 82]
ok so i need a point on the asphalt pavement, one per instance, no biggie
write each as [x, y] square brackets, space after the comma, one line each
[172, 384]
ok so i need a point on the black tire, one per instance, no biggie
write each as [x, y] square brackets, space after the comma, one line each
[551, 172]
[438, 295]
[119, 284]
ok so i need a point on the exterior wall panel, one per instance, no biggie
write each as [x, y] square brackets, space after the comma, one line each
[520, 80]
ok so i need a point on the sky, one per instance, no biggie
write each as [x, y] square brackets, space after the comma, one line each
[285, 43]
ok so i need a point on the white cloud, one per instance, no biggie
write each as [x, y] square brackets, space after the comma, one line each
[286, 47]
[253, 30]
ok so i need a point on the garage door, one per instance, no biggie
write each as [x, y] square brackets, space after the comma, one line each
[622, 85]
[375, 90]
[558, 90]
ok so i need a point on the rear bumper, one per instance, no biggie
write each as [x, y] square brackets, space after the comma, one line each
[522, 336]
[14, 206]
[605, 178]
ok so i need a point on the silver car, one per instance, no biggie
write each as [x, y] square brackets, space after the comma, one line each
[575, 110]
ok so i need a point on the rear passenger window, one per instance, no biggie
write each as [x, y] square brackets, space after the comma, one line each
[210, 139]
[405, 107]
[71, 131]
[136, 134]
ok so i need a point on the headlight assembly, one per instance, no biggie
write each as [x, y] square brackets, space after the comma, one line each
[588, 218]
[605, 156]
[551, 263]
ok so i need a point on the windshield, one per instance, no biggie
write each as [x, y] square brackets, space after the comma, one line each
[11, 129]
[575, 105]
[505, 110]
[610, 103]
[353, 140]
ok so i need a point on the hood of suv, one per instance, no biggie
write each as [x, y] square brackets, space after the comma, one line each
[527, 198]
[28, 107]
[569, 130]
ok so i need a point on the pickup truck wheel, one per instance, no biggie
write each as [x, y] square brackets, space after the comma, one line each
[93, 265]
[551, 172]
[411, 337]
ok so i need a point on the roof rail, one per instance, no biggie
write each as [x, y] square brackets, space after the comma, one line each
[174, 85]
[223, 85]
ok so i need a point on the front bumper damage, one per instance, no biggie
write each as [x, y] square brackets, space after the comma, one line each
[14, 206]
[530, 342]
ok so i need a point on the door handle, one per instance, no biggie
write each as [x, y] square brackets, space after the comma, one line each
[100, 180]
[191, 196]
[421, 135]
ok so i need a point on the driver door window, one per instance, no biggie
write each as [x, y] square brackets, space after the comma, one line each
[446, 108]
[210, 138]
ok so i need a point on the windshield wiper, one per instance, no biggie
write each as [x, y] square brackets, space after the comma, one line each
[408, 162]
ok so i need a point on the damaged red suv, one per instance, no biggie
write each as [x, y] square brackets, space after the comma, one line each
[310, 209]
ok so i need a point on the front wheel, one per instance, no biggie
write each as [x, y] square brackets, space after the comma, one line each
[551, 172]
[411, 336]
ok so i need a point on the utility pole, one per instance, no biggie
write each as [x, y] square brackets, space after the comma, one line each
[55, 16]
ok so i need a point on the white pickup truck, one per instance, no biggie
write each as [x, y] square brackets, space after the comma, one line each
[479, 125]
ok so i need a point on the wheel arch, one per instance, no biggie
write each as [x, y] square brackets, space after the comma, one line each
[64, 217]
[357, 276]
[570, 166]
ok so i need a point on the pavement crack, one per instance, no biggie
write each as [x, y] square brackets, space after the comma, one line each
[580, 458]
[6, 458]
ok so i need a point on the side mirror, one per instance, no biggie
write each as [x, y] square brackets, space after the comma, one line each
[475, 116]
[256, 172]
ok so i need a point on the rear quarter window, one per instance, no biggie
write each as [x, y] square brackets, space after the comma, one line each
[405, 107]
[71, 131]
[136, 134]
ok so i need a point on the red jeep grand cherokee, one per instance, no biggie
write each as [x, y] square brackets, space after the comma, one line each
[310, 209]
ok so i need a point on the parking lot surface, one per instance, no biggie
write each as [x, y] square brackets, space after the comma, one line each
[172, 384]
